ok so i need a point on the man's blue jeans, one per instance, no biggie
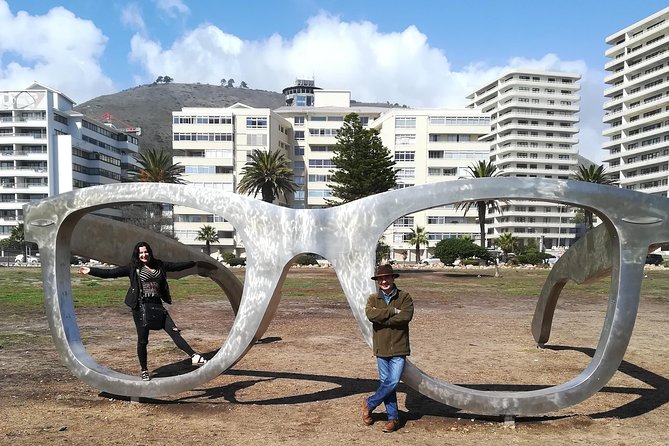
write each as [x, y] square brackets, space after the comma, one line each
[390, 372]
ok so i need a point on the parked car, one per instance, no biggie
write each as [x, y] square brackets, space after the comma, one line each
[30, 260]
[654, 259]
[431, 261]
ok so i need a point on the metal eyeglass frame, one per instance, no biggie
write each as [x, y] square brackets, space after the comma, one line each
[347, 236]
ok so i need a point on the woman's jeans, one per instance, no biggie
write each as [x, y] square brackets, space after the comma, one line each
[390, 372]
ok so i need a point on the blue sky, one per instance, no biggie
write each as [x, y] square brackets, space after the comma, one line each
[421, 53]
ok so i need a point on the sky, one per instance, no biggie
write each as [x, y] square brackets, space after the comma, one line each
[424, 53]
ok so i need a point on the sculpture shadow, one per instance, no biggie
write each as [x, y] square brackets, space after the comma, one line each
[417, 405]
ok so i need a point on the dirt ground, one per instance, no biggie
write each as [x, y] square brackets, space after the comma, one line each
[304, 382]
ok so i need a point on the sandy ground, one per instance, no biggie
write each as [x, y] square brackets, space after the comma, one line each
[303, 384]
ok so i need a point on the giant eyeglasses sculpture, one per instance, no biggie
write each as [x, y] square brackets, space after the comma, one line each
[347, 235]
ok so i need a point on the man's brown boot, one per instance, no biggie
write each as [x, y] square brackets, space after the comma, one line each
[391, 426]
[366, 413]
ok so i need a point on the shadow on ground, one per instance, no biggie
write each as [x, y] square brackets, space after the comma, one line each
[417, 405]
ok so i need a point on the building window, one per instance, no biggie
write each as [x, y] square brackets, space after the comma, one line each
[405, 140]
[405, 156]
[259, 139]
[406, 172]
[404, 222]
[321, 163]
[405, 122]
[298, 166]
[256, 123]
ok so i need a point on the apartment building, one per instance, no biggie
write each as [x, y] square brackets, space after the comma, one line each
[428, 145]
[534, 117]
[47, 148]
[636, 111]
[432, 145]
[213, 145]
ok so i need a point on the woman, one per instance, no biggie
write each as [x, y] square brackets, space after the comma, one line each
[148, 283]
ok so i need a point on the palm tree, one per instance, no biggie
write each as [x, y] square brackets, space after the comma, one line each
[507, 243]
[593, 174]
[418, 238]
[481, 169]
[157, 167]
[208, 235]
[268, 173]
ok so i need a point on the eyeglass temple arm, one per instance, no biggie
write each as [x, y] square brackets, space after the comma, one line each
[111, 241]
[588, 260]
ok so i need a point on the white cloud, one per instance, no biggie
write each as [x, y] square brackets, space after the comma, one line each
[63, 51]
[131, 16]
[172, 8]
[399, 67]
[57, 49]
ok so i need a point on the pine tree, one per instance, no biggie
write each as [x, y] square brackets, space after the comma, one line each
[363, 165]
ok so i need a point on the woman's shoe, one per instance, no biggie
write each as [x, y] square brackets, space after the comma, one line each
[198, 359]
[145, 375]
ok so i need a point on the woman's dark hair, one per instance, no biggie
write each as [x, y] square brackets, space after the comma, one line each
[135, 255]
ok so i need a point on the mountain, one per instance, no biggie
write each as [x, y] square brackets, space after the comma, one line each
[150, 106]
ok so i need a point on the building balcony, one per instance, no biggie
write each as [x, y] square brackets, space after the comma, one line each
[557, 117]
[23, 172]
[639, 69]
[616, 63]
[21, 138]
[7, 205]
[660, 174]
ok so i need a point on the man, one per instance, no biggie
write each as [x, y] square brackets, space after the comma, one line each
[389, 310]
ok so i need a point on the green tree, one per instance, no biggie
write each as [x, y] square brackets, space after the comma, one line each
[382, 251]
[243, 85]
[481, 169]
[363, 166]
[155, 167]
[208, 235]
[268, 173]
[507, 242]
[17, 241]
[417, 238]
[593, 174]
[231, 83]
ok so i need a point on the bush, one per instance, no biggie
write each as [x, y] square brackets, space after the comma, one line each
[237, 261]
[531, 258]
[305, 259]
[227, 256]
[451, 249]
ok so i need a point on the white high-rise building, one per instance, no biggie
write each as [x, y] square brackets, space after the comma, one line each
[432, 145]
[534, 116]
[47, 148]
[213, 146]
[636, 111]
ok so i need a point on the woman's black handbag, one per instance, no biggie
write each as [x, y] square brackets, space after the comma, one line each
[153, 315]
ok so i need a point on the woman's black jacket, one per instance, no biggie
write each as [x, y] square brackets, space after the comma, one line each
[132, 296]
